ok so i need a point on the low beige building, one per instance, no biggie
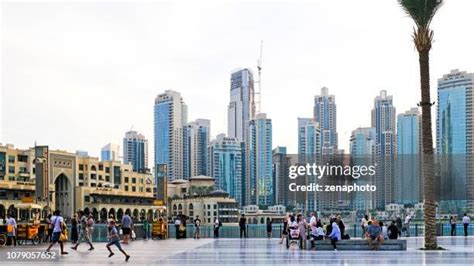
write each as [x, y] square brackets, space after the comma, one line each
[69, 182]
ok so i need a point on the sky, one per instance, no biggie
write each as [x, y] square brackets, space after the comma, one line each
[76, 76]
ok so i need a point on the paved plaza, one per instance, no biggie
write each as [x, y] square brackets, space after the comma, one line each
[250, 252]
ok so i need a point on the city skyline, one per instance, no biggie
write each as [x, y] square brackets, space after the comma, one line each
[48, 108]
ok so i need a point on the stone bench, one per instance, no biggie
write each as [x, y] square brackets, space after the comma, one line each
[357, 244]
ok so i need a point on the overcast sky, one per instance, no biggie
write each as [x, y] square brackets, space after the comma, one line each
[77, 76]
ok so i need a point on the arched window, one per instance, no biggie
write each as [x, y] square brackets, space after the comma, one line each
[191, 207]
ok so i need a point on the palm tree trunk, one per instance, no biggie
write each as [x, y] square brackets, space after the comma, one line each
[428, 163]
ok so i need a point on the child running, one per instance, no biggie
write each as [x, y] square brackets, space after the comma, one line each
[115, 240]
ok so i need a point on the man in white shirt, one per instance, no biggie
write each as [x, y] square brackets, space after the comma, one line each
[312, 221]
[466, 220]
[58, 222]
[407, 224]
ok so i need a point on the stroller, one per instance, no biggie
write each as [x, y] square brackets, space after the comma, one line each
[293, 239]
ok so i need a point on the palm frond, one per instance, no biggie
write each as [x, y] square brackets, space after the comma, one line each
[421, 11]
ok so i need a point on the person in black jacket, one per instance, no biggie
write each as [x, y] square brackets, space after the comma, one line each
[242, 225]
[393, 231]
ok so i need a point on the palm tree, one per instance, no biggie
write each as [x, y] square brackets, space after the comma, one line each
[422, 13]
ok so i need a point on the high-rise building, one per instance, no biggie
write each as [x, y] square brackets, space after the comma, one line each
[309, 151]
[408, 181]
[259, 189]
[242, 104]
[110, 152]
[325, 115]
[135, 151]
[170, 116]
[226, 165]
[454, 138]
[362, 150]
[196, 142]
[281, 181]
[383, 120]
[309, 141]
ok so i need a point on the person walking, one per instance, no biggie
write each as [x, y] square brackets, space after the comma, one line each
[114, 239]
[302, 228]
[74, 230]
[407, 224]
[466, 220]
[217, 225]
[452, 222]
[126, 227]
[269, 227]
[335, 234]
[242, 225]
[284, 232]
[58, 226]
[11, 229]
[197, 227]
[84, 234]
[398, 222]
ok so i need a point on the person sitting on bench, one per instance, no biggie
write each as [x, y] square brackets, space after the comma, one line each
[317, 234]
[374, 232]
[393, 231]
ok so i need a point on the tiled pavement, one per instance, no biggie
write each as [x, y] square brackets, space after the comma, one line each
[248, 252]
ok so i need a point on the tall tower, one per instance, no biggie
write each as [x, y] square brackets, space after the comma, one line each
[383, 120]
[325, 114]
[259, 189]
[135, 150]
[110, 152]
[242, 104]
[196, 141]
[409, 182]
[454, 140]
[170, 116]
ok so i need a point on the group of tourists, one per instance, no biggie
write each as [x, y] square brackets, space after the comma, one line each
[82, 229]
[197, 227]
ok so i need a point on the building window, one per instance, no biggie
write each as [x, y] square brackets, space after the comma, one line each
[81, 167]
[11, 169]
[126, 179]
[93, 176]
[81, 184]
[215, 213]
[101, 167]
[208, 206]
[107, 170]
[11, 159]
[141, 189]
[101, 177]
[81, 176]
[126, 188]
[134, 189]
[208, 213]
[134, 180]
[11, 178]
[215, 206]
[87, 198]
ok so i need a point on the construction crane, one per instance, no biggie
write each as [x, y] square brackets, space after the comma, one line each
[259, 91]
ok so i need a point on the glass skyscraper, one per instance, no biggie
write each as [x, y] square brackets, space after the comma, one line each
[170, 116]
[260, 185]
[195, 142]
[135, 151]
[226, 165]
[242, 104]
[454, 138]
[362, 150]
[110, 152]
[383, 120]
[408, 181]
[325, 115]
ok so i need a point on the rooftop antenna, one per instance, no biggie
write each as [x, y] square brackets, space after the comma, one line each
[259, 68]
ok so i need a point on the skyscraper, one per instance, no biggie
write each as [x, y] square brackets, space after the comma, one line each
[383, 120]
[325, 115]
[454, 138]
[110, 152]
[196, 141]
[226, 165]
[362, 150]
[259, 189]
[170, 116]
[281, 181]
[135, 150]
[242, 104]
[309, 141]
[408, 182]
